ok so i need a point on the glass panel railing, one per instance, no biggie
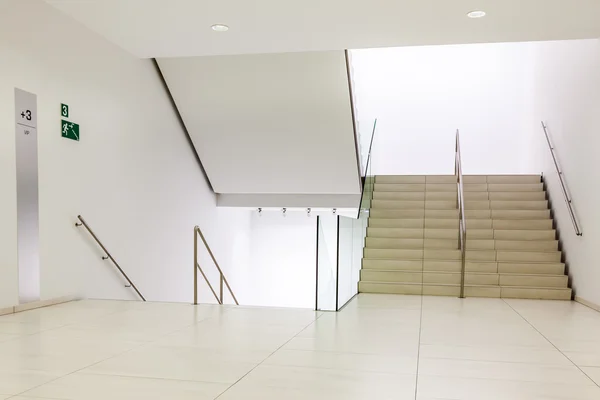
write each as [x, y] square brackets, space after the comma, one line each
[351, 242]
[341, 242]
[327, 261]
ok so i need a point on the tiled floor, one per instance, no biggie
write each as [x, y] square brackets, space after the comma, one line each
[379, 347]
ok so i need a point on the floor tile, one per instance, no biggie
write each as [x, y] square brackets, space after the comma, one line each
[83, 386]
[15, 382]
[182, 363]
[457, 388]
[244, 391]
[469, 349]
[359, 384]
[344, 361]
[502, 371]
[593, 373]
[514, 354]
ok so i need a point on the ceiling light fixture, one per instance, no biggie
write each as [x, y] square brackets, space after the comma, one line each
[476, 14]
[220, 28]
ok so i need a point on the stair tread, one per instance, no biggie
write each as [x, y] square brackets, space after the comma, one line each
[429, 271]
[468, 285]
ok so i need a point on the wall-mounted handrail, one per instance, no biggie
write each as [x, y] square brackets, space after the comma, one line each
[460, 201]
[108, 255]
[222, 279]
[563, 183]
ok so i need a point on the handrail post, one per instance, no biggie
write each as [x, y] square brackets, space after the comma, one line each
[222, 280]
[221, 288]
[195, 264]
[460, 200]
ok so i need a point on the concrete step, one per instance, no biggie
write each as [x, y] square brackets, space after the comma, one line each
[471, 278]
[518, 245]
[532, 268]
[414, 204]
[515, 187]
[521, 280]
[412, 265]
[510, 224]
[402, 196]
[400, 233]
[413, 254]
[415, 179]
[514, 256]
[514, 234]
[535, 293]
[507, 214]
[452, 187]
[412, 233]
[515, 179]
[398, 223]
[505, 196]
[470, 290]
[515, 268]
[415, 196]
[506, 204]
[409, 288]
[395, 243]
[502, 178]
[413, 214]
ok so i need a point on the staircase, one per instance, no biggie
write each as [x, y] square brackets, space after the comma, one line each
[412, 244]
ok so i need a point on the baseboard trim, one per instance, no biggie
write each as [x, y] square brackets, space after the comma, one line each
[37, 304]
[587, 303]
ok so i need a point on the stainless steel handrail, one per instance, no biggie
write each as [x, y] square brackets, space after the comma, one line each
[563, 183]
[222, 279]
[460, 201]
[108, 255]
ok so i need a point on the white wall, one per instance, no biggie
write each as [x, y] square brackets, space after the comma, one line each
[421, 95]
[270, 123]
[567, 97]
[132, 175]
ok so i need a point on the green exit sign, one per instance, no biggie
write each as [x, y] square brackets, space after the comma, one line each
[70, 130]
[64, 110]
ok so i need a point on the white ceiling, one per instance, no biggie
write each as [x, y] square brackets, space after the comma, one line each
[176, 28]
[269, 123]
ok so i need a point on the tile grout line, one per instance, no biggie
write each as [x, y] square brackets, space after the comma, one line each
[112, 356]
[553, 345]
[269, 356]
[419, 350]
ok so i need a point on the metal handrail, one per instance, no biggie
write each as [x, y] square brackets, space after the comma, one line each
[222, 279]
[108, 255]
[563, 183]
[462, 224]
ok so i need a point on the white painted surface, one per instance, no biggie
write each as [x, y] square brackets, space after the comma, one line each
[421, 95]
[132, 176]
[378, 347]
[567, 97]
[283, 254]
[269, 124]
[288, 200]
[178, 28]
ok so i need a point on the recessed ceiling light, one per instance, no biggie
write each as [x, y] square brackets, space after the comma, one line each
[476, 14]
[220, 28]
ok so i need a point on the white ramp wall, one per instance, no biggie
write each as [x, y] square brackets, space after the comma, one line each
[567, 97]
[271, 129]
[421, 95]
[132, 175]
